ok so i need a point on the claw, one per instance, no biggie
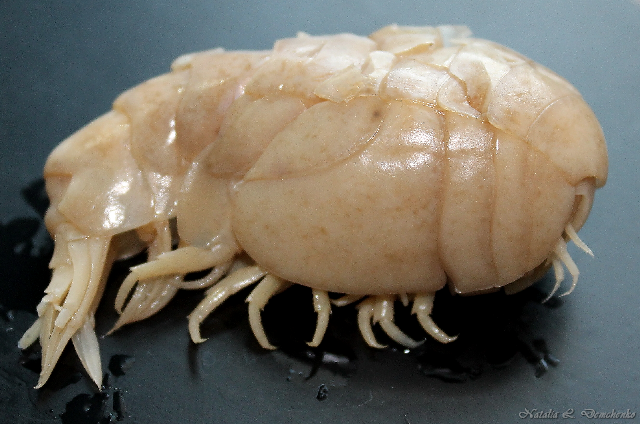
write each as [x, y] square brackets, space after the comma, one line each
[422, 306]
[577, 240]
[562, 253]
[560, 257]
[559, 276]
[383, 314]
[379, 310]
[217, 294]
[365, 316]
[258, 299]
[322, 306]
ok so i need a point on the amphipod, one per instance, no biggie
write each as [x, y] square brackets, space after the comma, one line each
[380, 168]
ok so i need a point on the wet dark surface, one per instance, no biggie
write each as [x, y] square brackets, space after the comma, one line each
[64, 63]
[27, 248]
[119, 364]
[105, 406]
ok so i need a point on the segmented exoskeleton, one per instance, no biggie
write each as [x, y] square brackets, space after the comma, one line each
[381, 168]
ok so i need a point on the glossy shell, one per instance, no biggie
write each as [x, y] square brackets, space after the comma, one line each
[381, 168]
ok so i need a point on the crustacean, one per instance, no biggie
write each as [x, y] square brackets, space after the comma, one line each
[382, 168]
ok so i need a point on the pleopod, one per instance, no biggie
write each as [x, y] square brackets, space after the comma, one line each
[376, 169]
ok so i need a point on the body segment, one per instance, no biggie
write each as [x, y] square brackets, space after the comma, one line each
[383, 167]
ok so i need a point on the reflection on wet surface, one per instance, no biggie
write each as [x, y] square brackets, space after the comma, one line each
[493, 329]
[95, 408]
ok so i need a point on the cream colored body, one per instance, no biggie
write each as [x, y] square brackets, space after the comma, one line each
[384, 166]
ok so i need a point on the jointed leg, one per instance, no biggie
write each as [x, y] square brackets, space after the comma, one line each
[158, 280]
[258, 299]
[322, 306]
[219, 293]
[560, 256]
[422, 306]
[365, 316]
[379, 309]
[177, 262]
[66, 311]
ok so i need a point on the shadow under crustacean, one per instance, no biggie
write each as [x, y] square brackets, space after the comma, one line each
[493, 328]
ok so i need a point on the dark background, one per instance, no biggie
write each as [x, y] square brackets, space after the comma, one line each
[62, 64]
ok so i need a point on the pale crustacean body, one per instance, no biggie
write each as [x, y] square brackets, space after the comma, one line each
[381, 168]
